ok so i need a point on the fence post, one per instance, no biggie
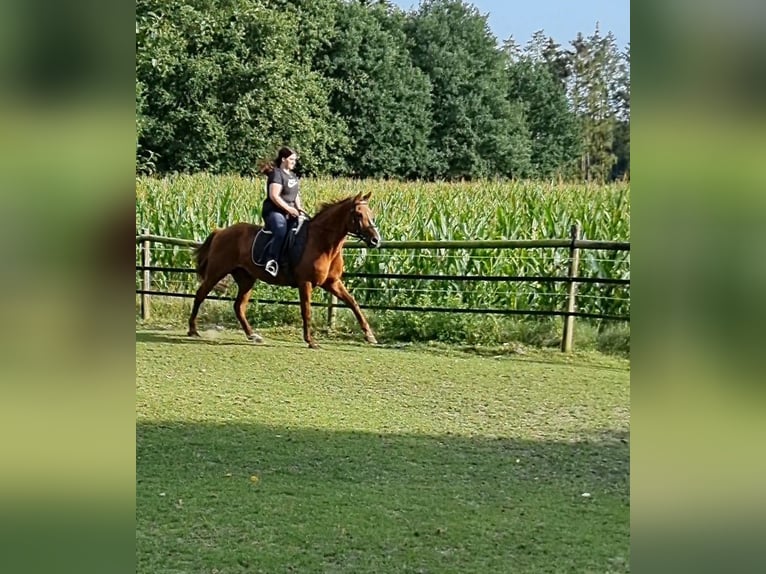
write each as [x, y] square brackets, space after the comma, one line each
[331, 302]
[146, 283]
[574, 263]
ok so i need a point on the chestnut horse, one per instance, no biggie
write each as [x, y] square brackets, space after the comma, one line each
[228, 251]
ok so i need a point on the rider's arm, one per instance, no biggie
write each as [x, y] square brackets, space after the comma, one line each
[274, 190]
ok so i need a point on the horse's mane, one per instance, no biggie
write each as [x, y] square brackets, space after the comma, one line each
[329, 207]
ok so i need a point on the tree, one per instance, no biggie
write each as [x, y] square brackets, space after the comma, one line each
[553, 127]
[593, 69]
[621, 143]
[222, 84]
[557, 61]
[477, 131]
[360, 87]
[383, 99]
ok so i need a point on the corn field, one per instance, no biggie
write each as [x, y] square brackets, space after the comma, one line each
[191, 206]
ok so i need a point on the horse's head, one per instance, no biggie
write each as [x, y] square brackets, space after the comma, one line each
[361, 222]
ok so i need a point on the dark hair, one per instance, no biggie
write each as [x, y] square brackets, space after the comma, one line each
[283, 152]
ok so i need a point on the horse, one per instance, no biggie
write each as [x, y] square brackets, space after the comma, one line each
[227, 251]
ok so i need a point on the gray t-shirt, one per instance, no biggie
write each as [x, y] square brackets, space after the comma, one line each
[290, 188]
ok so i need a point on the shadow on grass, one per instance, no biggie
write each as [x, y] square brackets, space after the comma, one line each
[326, 501]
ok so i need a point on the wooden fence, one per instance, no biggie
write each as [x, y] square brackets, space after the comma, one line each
[575, 244]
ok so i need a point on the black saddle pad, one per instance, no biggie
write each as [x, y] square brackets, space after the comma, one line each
[292, 248]
[262, 240]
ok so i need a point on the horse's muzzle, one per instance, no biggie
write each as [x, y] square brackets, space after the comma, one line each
[374, 241]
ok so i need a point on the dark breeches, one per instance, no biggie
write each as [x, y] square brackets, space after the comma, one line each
[276, 222]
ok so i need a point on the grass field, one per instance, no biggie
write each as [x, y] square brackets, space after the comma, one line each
[274, 458]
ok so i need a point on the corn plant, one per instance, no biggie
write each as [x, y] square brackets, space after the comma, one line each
[190, 206]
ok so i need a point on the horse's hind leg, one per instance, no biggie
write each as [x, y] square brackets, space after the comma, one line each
[245, 284]
[207, 285]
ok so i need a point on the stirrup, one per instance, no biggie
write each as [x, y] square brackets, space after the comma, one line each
[272, 267]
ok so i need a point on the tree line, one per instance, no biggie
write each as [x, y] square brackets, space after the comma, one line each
[365, 89]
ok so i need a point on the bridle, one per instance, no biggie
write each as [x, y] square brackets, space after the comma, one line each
[356, 230]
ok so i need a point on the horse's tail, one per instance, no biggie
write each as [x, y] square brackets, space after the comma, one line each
[201, 254]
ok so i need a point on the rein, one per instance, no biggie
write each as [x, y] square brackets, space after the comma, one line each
[356, 231]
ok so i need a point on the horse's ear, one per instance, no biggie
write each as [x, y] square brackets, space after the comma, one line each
[358, 197]
[366, 197]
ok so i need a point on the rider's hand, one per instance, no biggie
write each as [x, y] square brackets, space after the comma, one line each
[292, 211]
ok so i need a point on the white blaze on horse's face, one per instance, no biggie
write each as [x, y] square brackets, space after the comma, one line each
[364, 224]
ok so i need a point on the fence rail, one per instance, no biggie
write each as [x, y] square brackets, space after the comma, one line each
[575, 244]
[405, 276]
[475, 244]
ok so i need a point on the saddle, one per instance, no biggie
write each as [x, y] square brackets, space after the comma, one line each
[292, 247]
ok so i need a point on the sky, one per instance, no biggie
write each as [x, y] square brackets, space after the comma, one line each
[559, 19]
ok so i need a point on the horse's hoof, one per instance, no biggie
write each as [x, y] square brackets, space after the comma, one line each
[313, 345]
[255, 338]
[371, 339]
[193, 334]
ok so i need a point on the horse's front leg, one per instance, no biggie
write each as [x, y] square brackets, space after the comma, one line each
[337, 288]
[305, 292]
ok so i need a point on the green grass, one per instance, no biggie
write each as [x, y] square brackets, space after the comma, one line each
[411, 458]
[488, 332]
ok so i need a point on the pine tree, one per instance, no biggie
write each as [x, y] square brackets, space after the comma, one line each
[621, 144]
[594, 65]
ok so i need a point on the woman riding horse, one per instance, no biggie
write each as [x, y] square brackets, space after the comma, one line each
[228, 251]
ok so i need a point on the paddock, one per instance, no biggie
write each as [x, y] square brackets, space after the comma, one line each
[392, 458]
